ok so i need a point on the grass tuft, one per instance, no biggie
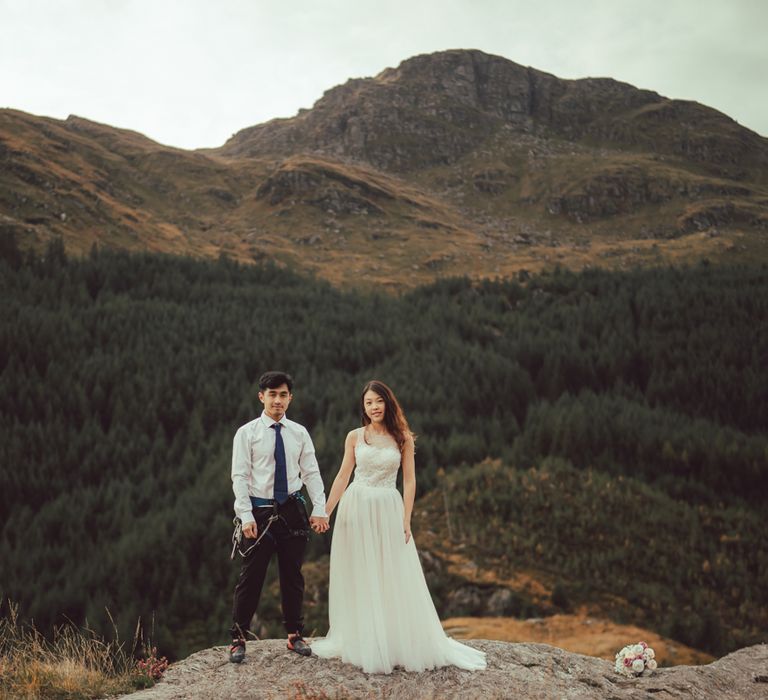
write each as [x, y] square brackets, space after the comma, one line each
[74, 663]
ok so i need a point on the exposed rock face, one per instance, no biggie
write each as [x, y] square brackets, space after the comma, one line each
[433, 109]
[529, 671]
[707, 216]
[322, 186]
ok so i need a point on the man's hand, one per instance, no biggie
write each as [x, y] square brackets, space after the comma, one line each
[250, 530]
[319, 524]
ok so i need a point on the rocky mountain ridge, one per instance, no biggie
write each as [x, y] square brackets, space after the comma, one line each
[452, 163]
[434, 109]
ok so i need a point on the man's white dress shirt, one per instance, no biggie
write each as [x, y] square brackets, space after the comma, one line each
[253, 464]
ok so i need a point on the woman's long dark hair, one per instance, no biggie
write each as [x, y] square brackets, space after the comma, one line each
[394, 418]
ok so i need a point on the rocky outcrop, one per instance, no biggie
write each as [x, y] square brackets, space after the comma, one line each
[529, 671]
[711, 214]
[340, 189]
[610, 193]
[325, 186]
[623, 189]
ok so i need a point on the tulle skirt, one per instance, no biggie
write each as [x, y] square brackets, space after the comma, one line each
[381, 613]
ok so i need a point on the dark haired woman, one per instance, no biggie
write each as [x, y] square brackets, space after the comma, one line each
[381, 613]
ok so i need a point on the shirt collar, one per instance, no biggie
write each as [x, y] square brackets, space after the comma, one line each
[269, 422]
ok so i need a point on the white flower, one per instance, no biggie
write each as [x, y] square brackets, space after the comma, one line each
[633, 659]
[622, 669]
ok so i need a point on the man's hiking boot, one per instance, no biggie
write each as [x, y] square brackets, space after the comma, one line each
[237, 651]
[296, 643]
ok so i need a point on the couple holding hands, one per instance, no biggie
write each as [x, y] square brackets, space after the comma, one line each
[380, 611]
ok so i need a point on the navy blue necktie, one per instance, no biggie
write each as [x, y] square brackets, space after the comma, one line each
[281, 477]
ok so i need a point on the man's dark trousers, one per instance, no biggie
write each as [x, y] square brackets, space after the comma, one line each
[288, 536]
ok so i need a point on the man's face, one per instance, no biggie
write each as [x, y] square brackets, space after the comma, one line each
[276, 401]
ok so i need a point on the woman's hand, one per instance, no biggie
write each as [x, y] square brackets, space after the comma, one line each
[407, 530]
[319, 524]
[250, 530]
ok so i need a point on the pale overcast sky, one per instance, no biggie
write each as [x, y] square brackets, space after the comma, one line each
[190, 73]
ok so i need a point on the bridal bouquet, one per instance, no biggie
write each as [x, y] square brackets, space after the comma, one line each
[632, 660]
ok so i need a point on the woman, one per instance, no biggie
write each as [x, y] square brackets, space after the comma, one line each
[381, 613]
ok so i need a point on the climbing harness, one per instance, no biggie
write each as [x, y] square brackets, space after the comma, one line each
[238, 541]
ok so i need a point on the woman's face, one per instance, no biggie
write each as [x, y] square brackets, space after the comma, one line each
[374, 406]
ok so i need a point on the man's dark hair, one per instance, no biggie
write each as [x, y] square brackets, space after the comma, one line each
[272, 380]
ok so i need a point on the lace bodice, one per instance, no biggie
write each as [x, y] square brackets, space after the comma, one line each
[377, 460]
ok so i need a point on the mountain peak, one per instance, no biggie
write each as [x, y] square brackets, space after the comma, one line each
[447, 60]
[435, 109]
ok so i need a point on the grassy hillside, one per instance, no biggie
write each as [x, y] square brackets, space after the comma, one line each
[520, 201]
[614, 545]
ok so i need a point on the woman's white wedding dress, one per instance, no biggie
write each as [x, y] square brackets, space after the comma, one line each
[381, 613]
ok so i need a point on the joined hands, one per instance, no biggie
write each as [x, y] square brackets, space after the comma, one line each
[319, 524]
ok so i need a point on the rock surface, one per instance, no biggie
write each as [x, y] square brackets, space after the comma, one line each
[514, 671]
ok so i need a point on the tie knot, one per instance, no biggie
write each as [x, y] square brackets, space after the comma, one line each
[277, 426]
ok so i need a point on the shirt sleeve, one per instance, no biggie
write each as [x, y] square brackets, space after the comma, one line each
[310, 475]
[241, 470]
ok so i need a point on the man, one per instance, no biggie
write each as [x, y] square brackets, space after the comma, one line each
[271, 457]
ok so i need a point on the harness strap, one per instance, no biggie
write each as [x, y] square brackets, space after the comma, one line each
[237, 535]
